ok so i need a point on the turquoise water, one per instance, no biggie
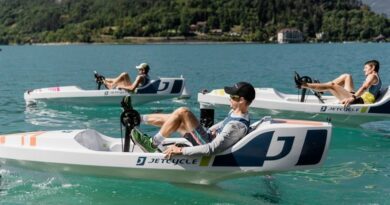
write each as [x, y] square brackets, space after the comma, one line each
[357, 170]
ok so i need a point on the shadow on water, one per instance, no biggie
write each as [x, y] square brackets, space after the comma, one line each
[272, 193]
[1, 182]
[266, 190]
[91, 190]
[379, 127]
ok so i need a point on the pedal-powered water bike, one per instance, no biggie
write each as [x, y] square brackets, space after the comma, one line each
[313, 103]
[159, 89]
[272, 146]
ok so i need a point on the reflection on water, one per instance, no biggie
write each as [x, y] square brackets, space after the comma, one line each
[90, 190]
[381, 127]
[271, 193]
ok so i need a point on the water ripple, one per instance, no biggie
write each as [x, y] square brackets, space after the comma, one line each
[380, 127]
[337, 173]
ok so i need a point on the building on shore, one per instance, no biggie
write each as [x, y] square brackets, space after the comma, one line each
[290, 35]
[380, 38]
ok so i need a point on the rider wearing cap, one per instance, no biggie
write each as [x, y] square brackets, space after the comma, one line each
[123, 80]
[216, 139]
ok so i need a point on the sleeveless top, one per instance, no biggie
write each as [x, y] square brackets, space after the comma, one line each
[229, 118]
[374, 89]
[370, 96]
[145, 81]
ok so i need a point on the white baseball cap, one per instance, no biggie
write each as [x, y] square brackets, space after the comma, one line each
[142, 66]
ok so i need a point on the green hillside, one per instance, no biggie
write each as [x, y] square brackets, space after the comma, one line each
[46, 21]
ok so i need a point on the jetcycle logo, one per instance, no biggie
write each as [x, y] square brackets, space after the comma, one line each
[340, 109]
[255, 152]
[175, 161]
[115, 92]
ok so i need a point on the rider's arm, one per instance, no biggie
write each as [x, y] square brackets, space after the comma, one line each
[134, 85]
[216, 126]
[231, 133]
[213, 129]
[370, 80]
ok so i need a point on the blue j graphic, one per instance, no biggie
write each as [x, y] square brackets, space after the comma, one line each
[141, 161]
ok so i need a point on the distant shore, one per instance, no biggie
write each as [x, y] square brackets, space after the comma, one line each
[155, 40]
[171, 40]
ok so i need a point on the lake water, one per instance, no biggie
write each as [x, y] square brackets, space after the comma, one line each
[357, 170]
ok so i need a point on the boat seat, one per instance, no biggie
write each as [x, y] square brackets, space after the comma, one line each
[171, 86]
[149, 88]
[256, 124]
[382, 93]
[115, 147]
[92, 140]
[183, 142]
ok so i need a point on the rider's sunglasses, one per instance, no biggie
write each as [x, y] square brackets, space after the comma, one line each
[235, 97]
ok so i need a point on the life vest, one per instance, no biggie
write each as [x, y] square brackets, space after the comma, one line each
[229, 118]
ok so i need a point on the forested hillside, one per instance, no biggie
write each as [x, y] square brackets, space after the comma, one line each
[44, 21]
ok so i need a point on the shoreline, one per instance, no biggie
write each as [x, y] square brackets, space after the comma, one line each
[164, 41]
[176, 40]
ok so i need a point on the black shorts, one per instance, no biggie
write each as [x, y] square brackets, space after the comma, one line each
[198, 136]
[358, 100]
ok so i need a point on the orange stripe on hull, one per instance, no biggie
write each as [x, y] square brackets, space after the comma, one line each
[33, 141]
[2, 140]
[33, 138]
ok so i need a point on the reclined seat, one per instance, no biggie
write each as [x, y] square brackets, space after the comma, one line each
[382, 93]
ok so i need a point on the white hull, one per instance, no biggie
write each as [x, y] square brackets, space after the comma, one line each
[274, 146]
[269, 98]
[161, 89]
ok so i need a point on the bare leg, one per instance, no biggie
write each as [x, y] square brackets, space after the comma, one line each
[123, 79]
[338, 91]
[341, 87]
[346, 81]
[157, 119]
[181, 120]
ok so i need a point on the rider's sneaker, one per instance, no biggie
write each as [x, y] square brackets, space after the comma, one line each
[144, 141]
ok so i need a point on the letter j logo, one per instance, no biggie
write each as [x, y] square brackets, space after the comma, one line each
[141, 161]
